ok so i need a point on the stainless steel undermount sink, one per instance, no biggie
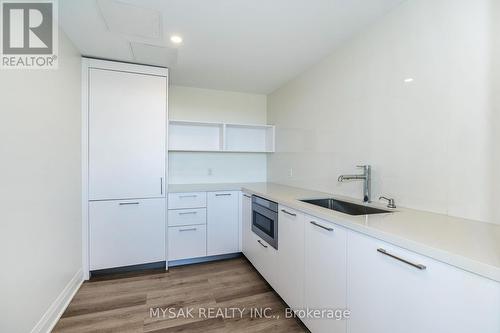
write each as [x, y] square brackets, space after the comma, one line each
[345, 207]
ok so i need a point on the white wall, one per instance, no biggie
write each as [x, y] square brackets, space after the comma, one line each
[216, 106]
[40, 191]
[431, 142]
[494, 189]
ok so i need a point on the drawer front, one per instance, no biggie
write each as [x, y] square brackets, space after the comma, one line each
[126, 232]
[263, 257]
[187, 200]
[187, 242]
[180, 217]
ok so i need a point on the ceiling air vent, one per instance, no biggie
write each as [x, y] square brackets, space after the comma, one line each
[128, 19]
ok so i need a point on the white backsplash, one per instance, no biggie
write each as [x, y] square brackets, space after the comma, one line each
[199, 168]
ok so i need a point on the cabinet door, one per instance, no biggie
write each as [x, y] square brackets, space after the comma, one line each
[246, 222]
[388, 295]
[127, 134]
[222, 223]
[128, 232]
[325, 273]
[290, 281]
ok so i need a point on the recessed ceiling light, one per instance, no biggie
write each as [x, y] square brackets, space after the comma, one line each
[408, 80]
[176, 39]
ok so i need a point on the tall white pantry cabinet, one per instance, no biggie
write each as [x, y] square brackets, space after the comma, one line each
[125, 164]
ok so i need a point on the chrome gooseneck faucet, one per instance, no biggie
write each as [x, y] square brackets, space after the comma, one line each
[366, 177]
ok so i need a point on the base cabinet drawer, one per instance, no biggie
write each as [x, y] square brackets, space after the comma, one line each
[180, 217]
[187, 242]
[126, 232]
[264, 258]
[187, 200]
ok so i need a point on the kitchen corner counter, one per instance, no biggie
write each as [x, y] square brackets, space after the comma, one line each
[470, 245]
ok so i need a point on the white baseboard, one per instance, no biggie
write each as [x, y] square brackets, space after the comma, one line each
[56, 309]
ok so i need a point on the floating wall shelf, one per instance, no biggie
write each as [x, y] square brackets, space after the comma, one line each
[220, 137]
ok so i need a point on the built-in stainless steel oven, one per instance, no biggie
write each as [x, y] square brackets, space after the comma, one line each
[265, 220]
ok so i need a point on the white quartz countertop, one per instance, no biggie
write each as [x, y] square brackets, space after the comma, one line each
[470, 245]
[173, 188]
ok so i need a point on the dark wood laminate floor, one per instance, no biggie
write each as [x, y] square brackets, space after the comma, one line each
[123, 303]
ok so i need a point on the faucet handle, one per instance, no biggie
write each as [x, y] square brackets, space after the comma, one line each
[390, 202]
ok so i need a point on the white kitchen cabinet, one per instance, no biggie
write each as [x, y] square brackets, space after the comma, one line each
[187, 242]
[187, 200]
[127, 121]
[325, 273]
[187, 232]
[222, 222]
[290, 274]
[126, 232]
[264, 258]
[246, 221]
[180, 217]
[195, 231]
[388, 295]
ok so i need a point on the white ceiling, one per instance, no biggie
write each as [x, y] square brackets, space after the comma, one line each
[239, 45]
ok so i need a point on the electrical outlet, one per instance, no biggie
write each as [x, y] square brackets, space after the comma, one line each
[209, 171]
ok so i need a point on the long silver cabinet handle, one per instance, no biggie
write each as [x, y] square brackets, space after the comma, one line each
[189, 229]
[188, 196]
[161, 185]
[186, 213]
[287, 212]
[321, 226]
[248, 196]
[222, 194]
[128, 203]
[418, 266]
[264, 245]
